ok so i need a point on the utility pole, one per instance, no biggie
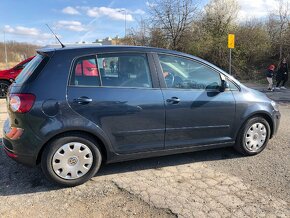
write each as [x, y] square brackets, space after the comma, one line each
[124, 10]
[230, 62]
[5, 51]
[231, 45]
[125, 23]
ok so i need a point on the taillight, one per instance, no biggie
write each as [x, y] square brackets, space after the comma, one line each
[21, 103]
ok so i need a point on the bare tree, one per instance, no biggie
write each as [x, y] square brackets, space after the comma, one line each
[219, 20]
[220, 15]
[157, 38]
[278, 26]
[173, 18]
[140, 35]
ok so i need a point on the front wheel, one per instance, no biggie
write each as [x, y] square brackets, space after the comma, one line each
[4, 85]
[71, 160]
[253, 136]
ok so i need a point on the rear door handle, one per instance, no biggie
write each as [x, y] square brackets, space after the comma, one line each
[83, 100]
[173, 100]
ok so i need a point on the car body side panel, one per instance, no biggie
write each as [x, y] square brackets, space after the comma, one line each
[201, 117]
[133, 118]
[251, 103]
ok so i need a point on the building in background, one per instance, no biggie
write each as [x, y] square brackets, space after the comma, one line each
[108, 41]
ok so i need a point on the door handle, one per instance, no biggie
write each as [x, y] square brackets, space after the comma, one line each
[83, 100]
[173, 100]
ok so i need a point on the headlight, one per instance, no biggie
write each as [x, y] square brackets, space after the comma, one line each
[275, 105]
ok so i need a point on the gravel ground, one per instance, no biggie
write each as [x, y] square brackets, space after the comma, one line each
[24, 192]
[215, 183]
[268, 171]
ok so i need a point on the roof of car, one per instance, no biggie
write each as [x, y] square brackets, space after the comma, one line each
[105, 48]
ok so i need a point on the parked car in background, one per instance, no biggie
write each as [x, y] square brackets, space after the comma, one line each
[7, 76]
[147, 102]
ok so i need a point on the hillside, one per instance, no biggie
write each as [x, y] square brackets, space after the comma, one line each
[16, 51]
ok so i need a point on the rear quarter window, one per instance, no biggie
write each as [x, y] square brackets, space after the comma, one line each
[32, 68]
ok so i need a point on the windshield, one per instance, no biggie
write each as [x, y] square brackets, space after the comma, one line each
[29, 69]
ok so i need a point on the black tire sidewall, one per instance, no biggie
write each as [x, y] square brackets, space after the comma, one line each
[7, 83]
[51, 148]
[248, 124]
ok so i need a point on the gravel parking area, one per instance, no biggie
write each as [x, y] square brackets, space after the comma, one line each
[215, 183]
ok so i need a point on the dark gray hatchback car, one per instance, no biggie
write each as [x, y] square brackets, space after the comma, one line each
[73, 108]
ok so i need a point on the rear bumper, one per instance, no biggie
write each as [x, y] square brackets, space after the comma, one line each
[23, 159]
[23, 149]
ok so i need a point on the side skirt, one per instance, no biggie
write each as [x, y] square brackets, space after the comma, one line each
[156, 153]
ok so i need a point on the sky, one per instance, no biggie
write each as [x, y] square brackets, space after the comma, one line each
[86, 20]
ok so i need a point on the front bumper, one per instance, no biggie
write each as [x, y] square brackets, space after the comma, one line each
[276, 122]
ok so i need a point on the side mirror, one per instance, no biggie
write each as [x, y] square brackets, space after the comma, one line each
[225, 85]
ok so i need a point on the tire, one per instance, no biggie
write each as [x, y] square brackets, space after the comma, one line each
[71, 160]
[253, 136]
[4, 85]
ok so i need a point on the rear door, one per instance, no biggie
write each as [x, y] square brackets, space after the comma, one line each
[119, 92]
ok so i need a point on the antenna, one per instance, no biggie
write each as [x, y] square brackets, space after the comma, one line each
[62, 45]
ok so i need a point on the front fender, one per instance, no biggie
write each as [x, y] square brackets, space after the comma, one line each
[246, 111]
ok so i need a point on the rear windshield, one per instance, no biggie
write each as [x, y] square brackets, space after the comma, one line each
[29, 69]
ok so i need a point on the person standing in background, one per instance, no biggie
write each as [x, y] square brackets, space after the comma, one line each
[270, 75]
[282, 74]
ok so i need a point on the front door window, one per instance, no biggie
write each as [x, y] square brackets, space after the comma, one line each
[183, 73]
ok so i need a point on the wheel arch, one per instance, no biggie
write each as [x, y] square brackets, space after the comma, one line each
[5, 79]
[101, 143]
[264, 115]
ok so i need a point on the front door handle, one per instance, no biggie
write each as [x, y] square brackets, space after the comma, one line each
[173, 100]
[83, 100]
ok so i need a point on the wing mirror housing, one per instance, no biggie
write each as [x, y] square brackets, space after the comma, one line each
[224, 86]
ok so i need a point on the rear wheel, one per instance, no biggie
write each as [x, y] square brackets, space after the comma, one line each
[253, 137]
[4, 85]
[71, 160]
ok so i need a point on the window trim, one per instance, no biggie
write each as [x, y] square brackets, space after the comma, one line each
[235, 84]
[152, 69]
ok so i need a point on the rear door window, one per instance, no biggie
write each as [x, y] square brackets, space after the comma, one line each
[85, 72]
[30, 68]
[112, 70]
[125, 70]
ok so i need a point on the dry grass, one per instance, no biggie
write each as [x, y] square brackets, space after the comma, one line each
[10, 64]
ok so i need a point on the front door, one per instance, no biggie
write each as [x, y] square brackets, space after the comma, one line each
[117, 93]
[197, 112]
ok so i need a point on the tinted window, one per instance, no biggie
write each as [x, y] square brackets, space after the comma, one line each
[188, 74]
[29, 69]
[124, 70]
[85, 72]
